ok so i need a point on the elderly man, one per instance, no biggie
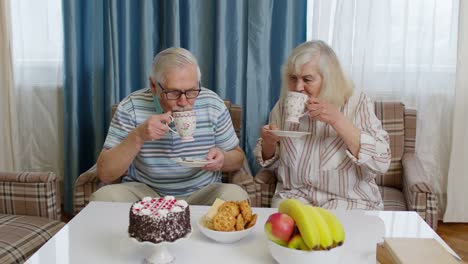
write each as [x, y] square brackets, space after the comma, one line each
[139, 140]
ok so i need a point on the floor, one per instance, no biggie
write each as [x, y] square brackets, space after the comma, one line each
[455, 235]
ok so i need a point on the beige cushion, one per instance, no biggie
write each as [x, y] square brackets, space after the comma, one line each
[29, 193]
[21, 236]
[392, 116]
[393, 199]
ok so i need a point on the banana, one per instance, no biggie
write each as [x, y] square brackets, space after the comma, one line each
[336, 228]
[296, 242]
[326, 239]
[307, 227]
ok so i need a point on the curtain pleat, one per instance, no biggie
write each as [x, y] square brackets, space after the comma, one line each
[7, 103]
[457, 203]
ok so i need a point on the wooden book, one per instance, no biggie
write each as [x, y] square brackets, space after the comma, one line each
[414, 251]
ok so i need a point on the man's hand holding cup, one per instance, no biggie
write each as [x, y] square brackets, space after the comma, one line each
[154, 127]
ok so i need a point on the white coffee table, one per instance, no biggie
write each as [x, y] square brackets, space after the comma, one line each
[98, 234]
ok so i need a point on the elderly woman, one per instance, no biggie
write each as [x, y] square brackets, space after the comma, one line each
[336, 165]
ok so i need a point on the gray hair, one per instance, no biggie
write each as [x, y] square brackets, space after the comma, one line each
[169, 59]
[336, 88]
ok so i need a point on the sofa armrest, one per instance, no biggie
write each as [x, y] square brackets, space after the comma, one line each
[30, 193]
[419, 193]
[266, 179]
[85, 185]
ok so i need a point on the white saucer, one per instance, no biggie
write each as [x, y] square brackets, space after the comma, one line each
[192, 162]
[291, 134]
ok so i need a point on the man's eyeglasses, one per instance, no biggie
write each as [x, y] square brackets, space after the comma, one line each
[176, 94]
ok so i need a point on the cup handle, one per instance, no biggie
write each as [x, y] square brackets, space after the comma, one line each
[306, 112]
[172, 120]
[175, 132]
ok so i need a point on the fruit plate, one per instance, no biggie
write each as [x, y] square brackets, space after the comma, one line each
[291, 134]
[223, 237]
[287, 255]
[192, 162]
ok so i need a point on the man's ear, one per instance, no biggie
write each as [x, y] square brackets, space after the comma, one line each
[152, 85]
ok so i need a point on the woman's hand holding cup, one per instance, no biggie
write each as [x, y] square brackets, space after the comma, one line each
[323, 111]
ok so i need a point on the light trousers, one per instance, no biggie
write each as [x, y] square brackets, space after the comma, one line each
[134, 191]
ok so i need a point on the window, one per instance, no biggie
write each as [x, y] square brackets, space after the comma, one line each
[37, 41]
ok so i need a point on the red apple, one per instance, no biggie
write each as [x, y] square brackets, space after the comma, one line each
[279, 228]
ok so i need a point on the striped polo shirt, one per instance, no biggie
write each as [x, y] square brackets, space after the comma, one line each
[153, 165]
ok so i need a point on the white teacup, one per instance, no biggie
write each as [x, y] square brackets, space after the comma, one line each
[294, 106]
[185, 123]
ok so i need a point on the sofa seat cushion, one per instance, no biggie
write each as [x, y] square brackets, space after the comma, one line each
[393, 199]
[21, 236]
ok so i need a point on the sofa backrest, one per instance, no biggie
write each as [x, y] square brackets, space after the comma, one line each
[236, 116]
[30, 193]
[400, 123]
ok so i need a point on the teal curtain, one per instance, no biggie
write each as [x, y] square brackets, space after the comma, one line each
[110, 44]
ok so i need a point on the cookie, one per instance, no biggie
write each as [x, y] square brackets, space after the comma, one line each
[230, 207]
[224, 221]
[252, 221]
[245, 210]
[240, 223]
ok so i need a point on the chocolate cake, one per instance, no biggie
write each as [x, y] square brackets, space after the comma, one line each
[159, 219]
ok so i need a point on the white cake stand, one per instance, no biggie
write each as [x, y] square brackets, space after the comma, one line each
[161, 254]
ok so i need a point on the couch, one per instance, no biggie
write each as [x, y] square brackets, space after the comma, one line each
[88, 182]
[405, 186]
[29, 213]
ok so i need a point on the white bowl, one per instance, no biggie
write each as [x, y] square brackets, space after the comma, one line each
[223, 237]
[287, 255]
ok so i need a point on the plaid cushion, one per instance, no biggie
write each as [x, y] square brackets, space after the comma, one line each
[392, 116]
[29, 193]
[419, 194]
[425, 204]
[21, 236]
[266, 182]
[393, 199]
[85, 185]
[393, 177]
[410, 130]
[245, 180]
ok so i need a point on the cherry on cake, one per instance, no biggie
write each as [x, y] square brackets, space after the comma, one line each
[159, 219]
